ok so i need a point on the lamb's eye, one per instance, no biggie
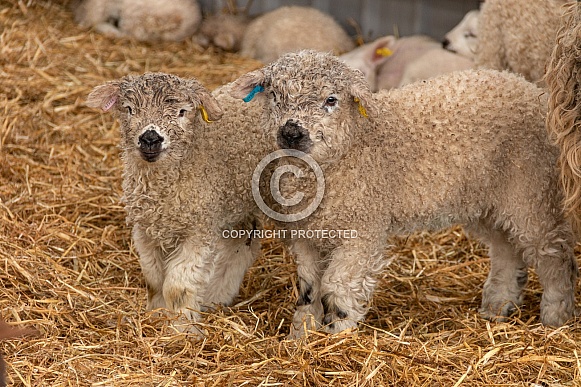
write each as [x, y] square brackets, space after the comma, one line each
[182, 113]
[331, 101]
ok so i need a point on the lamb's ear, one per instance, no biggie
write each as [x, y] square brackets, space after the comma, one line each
[381, 50]
[104, 96]
[248, 85]
[361, 93]
[209, 108]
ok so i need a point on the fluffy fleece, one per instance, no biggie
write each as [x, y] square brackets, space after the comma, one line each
[147, 20]
[185, 181]
[563, 80]
[293, 28]
[518, 35]
[476, 153]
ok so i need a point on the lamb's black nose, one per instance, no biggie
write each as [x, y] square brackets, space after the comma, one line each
[293, 136]
[150, 139]
[445, 43]
[291, 132]
[150, 145]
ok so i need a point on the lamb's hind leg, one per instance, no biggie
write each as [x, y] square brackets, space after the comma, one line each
[502, 292]
[556, 266]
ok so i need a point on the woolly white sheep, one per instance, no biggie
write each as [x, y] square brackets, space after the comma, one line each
[518, 35]
[186, 182]
[288, 29]
[465, 148]
[463, 39]
[148, 20]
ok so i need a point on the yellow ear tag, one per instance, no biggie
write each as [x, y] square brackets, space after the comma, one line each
[384, 51]
[362, 110]
[205, 114]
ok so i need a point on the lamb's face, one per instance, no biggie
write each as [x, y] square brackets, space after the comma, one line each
[313, 102]
[158, 113]
[463, 39]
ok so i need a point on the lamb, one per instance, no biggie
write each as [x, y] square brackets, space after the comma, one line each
[432, 63]
[563, 80]
[518, 35]
[463, 39]
[405, 50]
[292, 28]
[389, 62]
[223, 30]
[369, 57]
[146, 20]
[186, 185]
[476, 154]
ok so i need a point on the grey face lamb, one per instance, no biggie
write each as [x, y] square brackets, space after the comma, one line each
[466, 148]
[185, 181]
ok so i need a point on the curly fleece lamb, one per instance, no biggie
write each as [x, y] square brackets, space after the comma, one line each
[185, 181]
[563, 80]
[475, 154]
[518, 35]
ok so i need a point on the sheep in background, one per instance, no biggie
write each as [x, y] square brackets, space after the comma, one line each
[405, 50]
[476, 154]
[389, 62]
[563, 80]
[433, 63]
[369, 57]
[186, 181]
[288, 29]
[223, 30]
[147, 20]
[463, 39]
[518, 35]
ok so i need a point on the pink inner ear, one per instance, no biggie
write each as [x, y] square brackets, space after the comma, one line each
[109, 104]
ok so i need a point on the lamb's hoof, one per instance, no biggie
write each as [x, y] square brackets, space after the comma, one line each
[184, 321]
[333, 323]
[497, 313]
[557, 314]
[302, 325]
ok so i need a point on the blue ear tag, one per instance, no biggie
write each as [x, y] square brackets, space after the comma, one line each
[257, 89]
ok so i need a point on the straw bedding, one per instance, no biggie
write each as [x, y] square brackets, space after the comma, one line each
[68, 267]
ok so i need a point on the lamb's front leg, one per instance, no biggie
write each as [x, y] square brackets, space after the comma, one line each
[187, 272]
[152, 267]
[233, 258]
[309, 310]
[347, 285]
